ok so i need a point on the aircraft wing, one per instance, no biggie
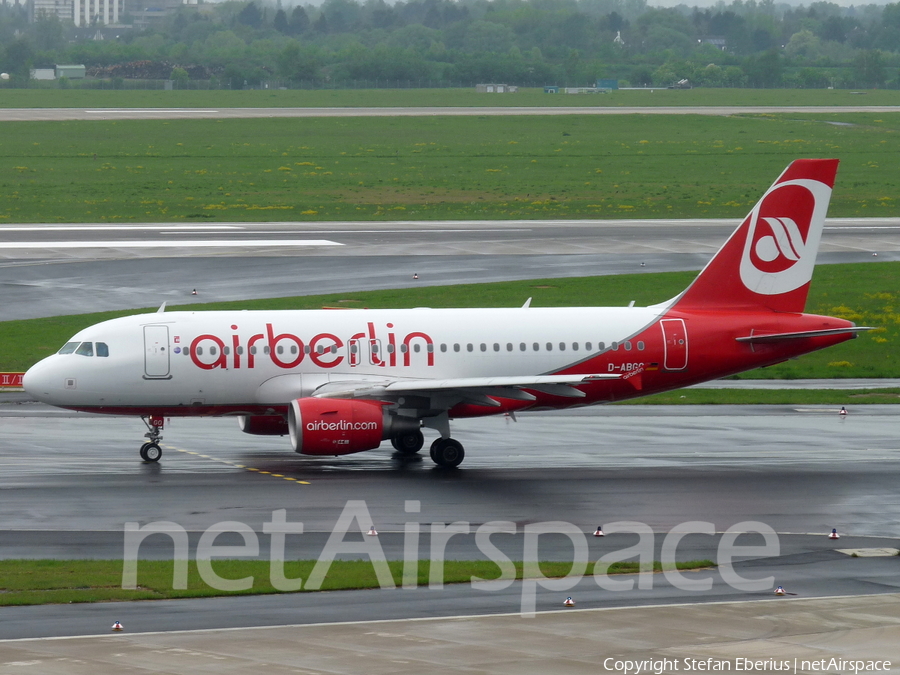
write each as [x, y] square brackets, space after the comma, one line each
[468, 388]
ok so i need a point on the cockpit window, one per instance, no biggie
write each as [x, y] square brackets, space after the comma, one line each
[68, 348]
[85, 349]
[102, 349]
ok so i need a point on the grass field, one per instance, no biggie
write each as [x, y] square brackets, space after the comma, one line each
[93, 98]
[42, 582]
[866, 293]
[434, 167]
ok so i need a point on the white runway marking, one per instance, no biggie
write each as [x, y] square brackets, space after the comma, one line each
[163, 243]
[179, 111]
[113, 228]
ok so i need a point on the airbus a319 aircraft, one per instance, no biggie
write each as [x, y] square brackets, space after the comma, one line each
[339, 382]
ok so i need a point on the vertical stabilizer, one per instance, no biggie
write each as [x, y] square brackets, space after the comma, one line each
[769, 260]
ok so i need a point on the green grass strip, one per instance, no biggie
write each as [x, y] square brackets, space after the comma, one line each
[41, 582]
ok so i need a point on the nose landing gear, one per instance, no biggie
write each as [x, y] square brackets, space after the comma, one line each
[150, 451]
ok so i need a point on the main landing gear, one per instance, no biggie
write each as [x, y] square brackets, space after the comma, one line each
[447, 452]
[408, 444]
[150, 451]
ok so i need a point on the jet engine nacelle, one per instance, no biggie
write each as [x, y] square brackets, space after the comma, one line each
[323, 426]
[263, 425]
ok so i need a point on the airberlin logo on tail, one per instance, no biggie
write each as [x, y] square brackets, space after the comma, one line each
[783, 237]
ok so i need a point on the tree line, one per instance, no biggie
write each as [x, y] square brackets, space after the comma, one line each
[755, 43]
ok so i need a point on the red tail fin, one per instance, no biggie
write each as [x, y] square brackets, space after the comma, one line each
[769, 260]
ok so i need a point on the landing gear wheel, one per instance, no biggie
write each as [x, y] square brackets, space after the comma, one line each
[447, 452]
[408, 444]
[151, 452]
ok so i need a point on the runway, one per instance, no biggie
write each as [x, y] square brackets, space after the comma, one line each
[84, 272]
[71, 481]
[68, 114]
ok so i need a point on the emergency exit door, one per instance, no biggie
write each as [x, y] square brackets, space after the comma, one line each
[676, 344]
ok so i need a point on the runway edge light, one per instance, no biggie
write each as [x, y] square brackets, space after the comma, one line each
[117, 626]
[780, 591]
[834, 534]
[372, 532]
[569, 602]
[599, 531]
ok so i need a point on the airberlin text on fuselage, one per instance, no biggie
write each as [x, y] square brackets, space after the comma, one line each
[325, 350]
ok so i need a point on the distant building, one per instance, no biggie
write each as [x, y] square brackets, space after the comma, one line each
[76, 72]
[551, 89]
[107, 12]
[59, 8]
[607, 84]
[495, 89]
[43, 74]
[719, 42]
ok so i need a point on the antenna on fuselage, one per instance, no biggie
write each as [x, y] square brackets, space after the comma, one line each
[527, 304]
[162, 308]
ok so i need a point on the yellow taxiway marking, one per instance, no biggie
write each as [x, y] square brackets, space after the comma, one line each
[238, 466]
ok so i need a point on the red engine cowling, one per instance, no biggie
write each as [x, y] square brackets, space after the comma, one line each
[263, 425]
[322, 426]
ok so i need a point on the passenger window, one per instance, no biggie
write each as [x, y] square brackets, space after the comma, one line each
[443, 346]
[266, 349]
[199, 351]
[601, 346]
[562, 346]
[469, 347]
[278, 350]
[587, 346]
[417, 348]
[456, 347]
[509, 346]
[575, 346]
[253, 349]
[353, 348]
[496, 347]
[212, 350]
[319, 349]
[226, 350]
[85, 349]
[627, 346]
[640, 345]
[430, 349]
[483, 347]
[403, 348]
[522, 347]
[240, 350]
[536, 347]
[68, 348]
[615, 346]
[334, 349]
[306, 349]
[549, 346]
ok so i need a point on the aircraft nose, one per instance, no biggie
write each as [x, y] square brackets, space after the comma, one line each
[41, 380]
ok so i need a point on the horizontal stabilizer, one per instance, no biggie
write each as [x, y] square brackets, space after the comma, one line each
[781, 337]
